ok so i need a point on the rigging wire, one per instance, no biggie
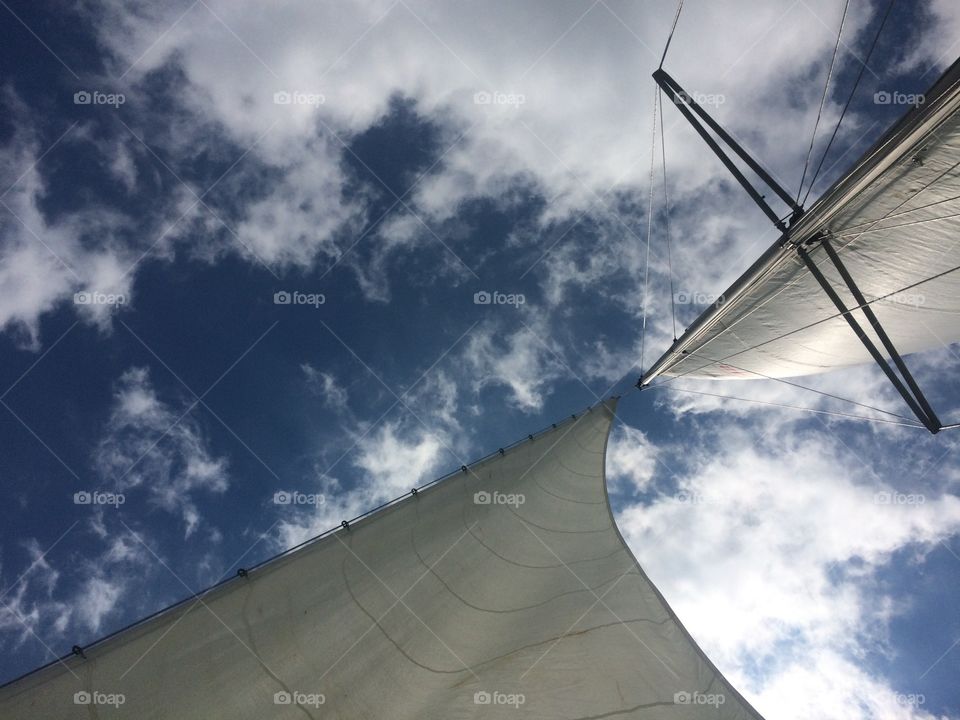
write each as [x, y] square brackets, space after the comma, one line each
[804, 387]
[809, 325]
[795, 407]
[646, 268]
[666, 203]
[863, 66]
[910, 223]
[869, 224]
[676, 18]
[800, 189]
[823, 98]
[911, 197]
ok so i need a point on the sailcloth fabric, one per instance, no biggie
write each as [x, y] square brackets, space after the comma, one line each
[894, 220]
[504, 591]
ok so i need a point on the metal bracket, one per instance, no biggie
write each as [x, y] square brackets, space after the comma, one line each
[913, 396]
[691, 110]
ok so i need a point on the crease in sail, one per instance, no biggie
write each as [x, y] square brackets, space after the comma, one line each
[425, 610]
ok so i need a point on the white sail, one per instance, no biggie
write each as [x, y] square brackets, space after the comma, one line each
[895, 223]
[504, 591]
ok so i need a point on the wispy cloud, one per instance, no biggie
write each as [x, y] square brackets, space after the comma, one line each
[325, 385]
[150, 447]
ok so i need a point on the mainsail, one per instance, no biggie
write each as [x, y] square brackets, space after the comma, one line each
[504, 587]
[894, 223]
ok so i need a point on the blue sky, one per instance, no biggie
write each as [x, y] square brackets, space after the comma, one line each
[385, 188]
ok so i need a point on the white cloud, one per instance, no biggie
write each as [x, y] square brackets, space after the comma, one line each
[43, 262]
[295, 224]
[765, 546]
[19, 616]
[394, 237]
[96, 599]
[40, 567]
[27, 599]
[326, 386]
[150, 446]
[58, 598]
[940, 45]
[437, 397]
[631, 459]
[834, 392]
[836, 687]
[396, 464]
[523, 361]
[392, 460]
[380, 461]
[566, 139]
